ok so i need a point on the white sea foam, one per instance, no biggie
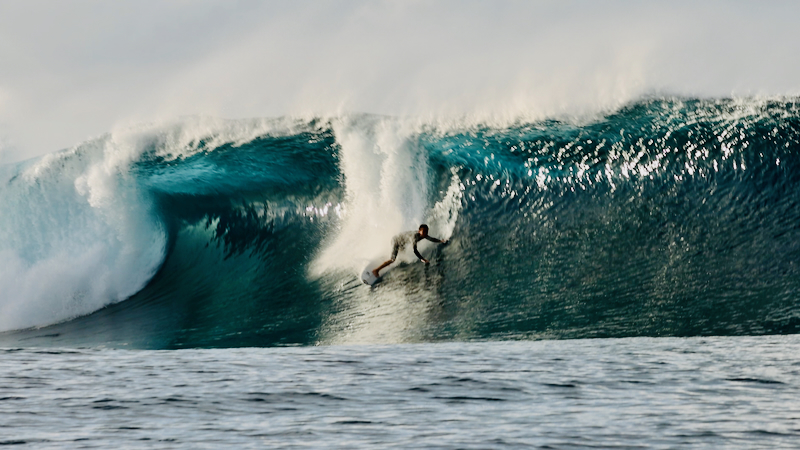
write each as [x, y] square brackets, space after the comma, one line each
[386, 177]
[78, 234]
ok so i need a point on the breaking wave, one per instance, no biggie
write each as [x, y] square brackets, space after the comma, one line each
[668, 217]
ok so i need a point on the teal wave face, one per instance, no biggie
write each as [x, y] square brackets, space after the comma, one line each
[669, 217]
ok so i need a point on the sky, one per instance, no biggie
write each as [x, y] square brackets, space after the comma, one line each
[73, 70]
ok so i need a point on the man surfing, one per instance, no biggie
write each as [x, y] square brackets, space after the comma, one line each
[400, 241]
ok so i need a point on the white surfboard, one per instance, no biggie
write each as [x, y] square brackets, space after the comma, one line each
[367, 276]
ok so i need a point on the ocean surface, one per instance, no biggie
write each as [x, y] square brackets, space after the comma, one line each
[633, 393]
[625, 279]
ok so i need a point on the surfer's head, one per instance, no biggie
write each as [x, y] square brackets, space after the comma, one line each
[423, 230]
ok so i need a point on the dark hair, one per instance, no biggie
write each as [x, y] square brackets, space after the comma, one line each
[423, 226]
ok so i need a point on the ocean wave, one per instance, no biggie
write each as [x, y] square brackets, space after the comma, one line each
[669, 216]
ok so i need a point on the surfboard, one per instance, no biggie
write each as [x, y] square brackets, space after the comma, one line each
[367, 277]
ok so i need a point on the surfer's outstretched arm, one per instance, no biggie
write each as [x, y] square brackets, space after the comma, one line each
[433, 239]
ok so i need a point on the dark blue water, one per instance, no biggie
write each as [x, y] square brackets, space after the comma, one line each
[667, 217]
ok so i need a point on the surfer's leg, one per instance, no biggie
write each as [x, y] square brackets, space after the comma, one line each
[376, 271]
[395, 249]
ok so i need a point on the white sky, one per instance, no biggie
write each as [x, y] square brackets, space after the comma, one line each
[71, 70]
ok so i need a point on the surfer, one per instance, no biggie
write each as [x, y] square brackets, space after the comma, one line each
[400, 241]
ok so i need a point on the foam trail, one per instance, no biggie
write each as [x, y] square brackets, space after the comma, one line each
[385, 174]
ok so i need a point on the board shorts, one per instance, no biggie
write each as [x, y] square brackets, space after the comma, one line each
[398, 243]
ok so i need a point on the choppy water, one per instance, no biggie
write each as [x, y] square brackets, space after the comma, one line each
[660, 393]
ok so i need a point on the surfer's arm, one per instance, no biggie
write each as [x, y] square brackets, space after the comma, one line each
[416, 252]
[433, 239]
